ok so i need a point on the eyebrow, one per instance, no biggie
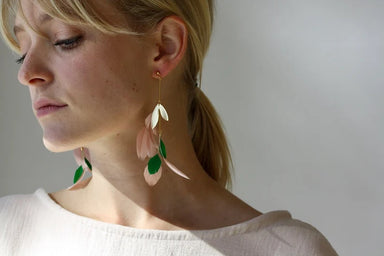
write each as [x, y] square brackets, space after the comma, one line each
[43, 18]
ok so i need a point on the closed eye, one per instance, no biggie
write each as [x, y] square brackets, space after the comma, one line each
[66, 44]
[21, 59]
[70, 43]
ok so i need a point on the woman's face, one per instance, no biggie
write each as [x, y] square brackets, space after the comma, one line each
[101, 82]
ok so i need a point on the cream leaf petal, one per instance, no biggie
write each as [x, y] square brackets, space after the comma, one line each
[163, 112]
[155, 117]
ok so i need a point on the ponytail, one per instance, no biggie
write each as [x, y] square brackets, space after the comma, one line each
[209, 139]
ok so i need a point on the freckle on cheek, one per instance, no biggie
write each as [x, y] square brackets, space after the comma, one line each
[134, 88]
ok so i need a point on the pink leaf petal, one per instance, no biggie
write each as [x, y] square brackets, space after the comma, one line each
[139, 144]
[79, 182]
[153, 150]
[78, 156]
[146, 146]
[145, 142]
[154, 140]
[148, 120]
[152, 179]
[150, 146]
[175, 170]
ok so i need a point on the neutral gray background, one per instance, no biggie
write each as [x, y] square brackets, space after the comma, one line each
[299, 86]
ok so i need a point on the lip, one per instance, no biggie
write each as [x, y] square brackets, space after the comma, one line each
[44, 102]
[47, 106]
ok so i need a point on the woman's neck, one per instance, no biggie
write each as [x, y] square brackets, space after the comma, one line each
[117, 192]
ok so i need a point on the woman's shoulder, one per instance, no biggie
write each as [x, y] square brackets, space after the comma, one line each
[19, 197]
[290, 236]
[272, 233]
[8, 202]
[16, 206]
[17, 215]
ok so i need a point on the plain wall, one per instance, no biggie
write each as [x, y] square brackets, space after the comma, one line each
[299, 87]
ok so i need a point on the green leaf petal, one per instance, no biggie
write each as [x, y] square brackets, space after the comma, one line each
[154, 164]
[162, 150]
[88, 163]
[78, 174]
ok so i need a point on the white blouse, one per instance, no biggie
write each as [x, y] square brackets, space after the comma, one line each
[34, 224]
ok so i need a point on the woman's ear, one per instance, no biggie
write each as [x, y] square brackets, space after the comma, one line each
[171, 39]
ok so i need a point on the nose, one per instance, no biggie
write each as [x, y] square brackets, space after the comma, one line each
[34, 71]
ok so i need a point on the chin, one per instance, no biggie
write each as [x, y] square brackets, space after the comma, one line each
[57, 146]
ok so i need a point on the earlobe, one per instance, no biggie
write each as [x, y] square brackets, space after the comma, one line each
[171, 37]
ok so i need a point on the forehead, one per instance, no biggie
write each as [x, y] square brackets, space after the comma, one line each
[31, 13]
[43, 18]
[30, 10]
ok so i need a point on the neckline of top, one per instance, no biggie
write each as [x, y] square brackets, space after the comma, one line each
[253, 224]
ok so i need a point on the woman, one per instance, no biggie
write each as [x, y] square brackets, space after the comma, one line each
[115, 81]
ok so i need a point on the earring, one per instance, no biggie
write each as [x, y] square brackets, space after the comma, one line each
[149, 143]
[84, 166]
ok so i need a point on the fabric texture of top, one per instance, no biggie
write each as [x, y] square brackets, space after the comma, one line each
[34, 224]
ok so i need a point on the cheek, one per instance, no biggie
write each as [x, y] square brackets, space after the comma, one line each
[123, 77]
[104, 84]
[110, 77]
[77, 73]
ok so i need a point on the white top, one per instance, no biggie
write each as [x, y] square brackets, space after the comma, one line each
[34, 224]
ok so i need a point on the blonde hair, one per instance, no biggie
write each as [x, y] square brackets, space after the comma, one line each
[206, 130]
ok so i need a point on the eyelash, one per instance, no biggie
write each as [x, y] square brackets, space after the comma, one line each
[66, 44]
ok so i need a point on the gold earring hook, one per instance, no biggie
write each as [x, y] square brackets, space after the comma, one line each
[159, 77]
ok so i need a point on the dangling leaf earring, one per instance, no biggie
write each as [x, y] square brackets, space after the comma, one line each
[84, 166]
[149, 143]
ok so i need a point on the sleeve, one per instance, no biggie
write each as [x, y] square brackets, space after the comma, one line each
[300, 239]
